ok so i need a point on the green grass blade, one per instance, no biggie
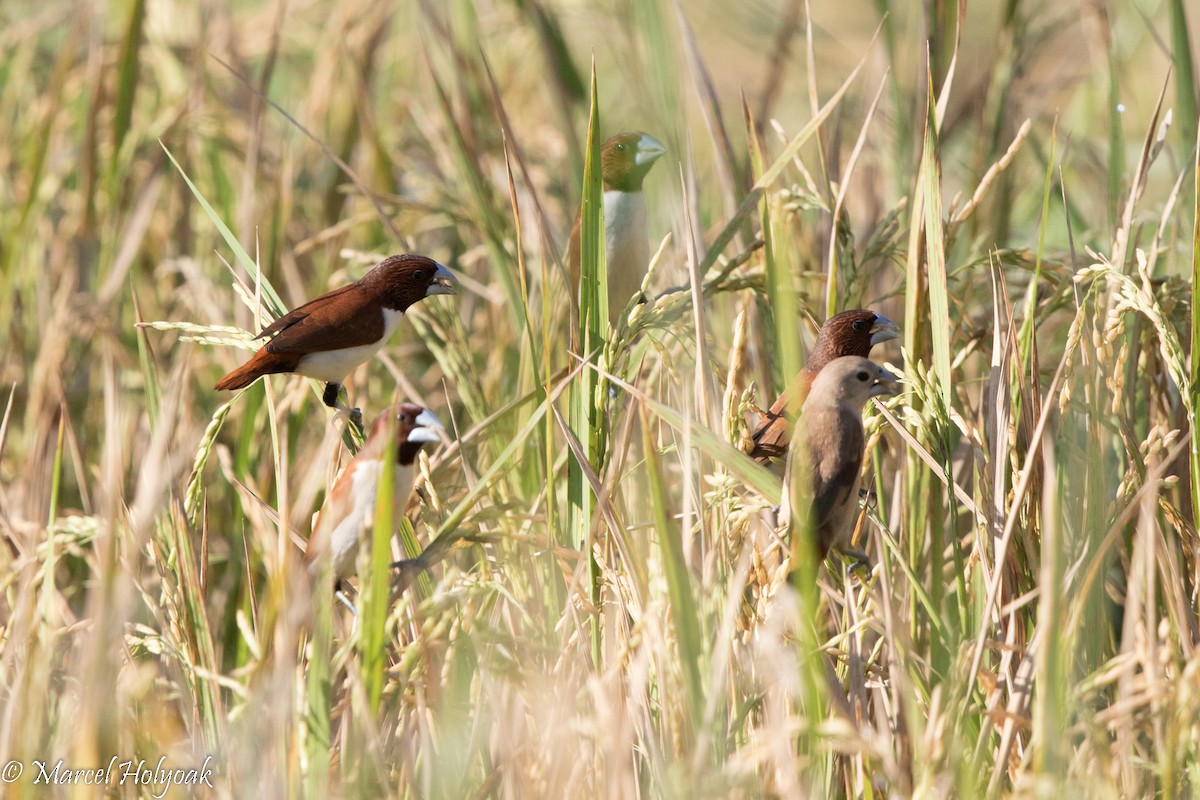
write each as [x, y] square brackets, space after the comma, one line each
[935, 253]
[684, 612]
[271, 299]
[584, 409]
[710, 444]
[127, 75]
[1185, 71]
[376, 584]
[318, 684]
[768, 177]
[784, 309]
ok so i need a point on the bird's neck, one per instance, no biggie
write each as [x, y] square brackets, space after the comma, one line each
[406, 453]
[391, 319]
[836, 403]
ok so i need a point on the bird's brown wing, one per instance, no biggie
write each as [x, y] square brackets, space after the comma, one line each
[320, 324]
[774, 431]
[771, 437]
[300, 312]
[836, 451]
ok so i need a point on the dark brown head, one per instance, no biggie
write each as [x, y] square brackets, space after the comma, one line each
[406, 279]
[626, 158]
[414, 427]
[850, 333]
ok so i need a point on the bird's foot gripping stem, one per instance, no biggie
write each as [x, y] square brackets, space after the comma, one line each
[857, 562]
[331, 397]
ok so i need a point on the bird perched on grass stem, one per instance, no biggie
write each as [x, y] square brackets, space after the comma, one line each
[625, 159]
[328, 337]
[830, 438]
[850, 333]
[341, 526]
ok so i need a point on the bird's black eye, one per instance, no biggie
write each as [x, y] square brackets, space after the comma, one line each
[863, 376]
[860, 325]
[620, 147]
[419, 275]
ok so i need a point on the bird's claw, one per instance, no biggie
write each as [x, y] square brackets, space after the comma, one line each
[857, 562]
[353, 417]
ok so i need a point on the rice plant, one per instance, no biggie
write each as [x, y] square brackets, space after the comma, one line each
[591, 598]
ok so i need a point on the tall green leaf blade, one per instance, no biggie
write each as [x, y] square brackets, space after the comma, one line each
[684, 612]
[1185, 70]
[584, 408]
[274, 304]
[935, 253]
[127, 75]
[376, 593]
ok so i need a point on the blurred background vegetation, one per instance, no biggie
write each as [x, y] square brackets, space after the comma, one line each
[608, 614]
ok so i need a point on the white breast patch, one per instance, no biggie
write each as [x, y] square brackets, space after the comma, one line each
[349, 535]
[627, 247]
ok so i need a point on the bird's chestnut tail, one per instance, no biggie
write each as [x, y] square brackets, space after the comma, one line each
[240, 378]
[263, 363]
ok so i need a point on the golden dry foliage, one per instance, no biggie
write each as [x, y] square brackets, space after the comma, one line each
[595, 599]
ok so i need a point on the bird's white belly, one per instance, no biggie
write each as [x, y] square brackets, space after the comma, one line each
[349, 535]
[345, 539]
[627, 247]
[334, 365]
